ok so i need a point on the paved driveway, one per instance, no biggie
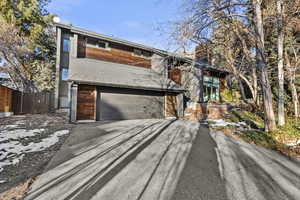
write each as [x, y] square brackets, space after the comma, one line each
[163, 159]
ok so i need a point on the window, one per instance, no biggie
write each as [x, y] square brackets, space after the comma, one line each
[146, 54]
[140, 53]
[137, 52]
[97, 44]
[211, 86]
[65, 74]
[66, 45]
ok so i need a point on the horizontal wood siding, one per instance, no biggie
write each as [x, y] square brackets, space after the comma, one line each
[116, 54]
[5, 99]
[86, 102]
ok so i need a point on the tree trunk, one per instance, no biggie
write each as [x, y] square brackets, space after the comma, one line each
[280, 40]
[292, 76]
[255, 86]
[270, 124]
[295, 98]
[242, 90]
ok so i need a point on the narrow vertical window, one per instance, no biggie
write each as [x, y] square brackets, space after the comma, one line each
[66, 45]
[65, 74]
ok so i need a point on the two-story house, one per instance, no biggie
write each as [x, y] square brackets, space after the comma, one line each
[99, 77]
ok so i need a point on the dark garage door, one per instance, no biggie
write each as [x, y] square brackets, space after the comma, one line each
[118, 104]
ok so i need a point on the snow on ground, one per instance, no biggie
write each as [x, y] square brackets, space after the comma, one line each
[223, 123]
[18, 134]
[12, 150]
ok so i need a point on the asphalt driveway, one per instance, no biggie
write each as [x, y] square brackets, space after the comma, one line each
[163, 159]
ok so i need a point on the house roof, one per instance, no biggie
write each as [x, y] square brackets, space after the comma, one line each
[7, 83]
[103, 73]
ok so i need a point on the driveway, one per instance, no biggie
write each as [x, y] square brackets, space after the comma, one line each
[163, 159]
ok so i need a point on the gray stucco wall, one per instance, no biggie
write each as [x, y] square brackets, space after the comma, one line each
[192, 81]
[159, 65]
[113, 74]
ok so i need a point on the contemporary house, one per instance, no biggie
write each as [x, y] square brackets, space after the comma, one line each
[100, 77]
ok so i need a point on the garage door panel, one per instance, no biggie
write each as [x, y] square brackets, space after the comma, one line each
[131, 105]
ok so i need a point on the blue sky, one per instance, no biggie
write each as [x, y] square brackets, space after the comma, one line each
[133, 20]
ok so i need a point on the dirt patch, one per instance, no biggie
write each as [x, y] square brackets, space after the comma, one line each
[31, 153]
[17, 193]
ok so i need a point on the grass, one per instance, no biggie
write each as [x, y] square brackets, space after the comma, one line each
[289, 132]
[252, 119]
[276, 140]
[219, 128]
[260, 138]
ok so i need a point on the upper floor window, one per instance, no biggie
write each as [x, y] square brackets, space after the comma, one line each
[97, 44]
[141, 53]
[66, 45]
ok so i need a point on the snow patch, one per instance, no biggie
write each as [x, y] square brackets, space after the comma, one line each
[3, 127]
[2, 181]
[12, 151]
[18, 134]
[223, 123]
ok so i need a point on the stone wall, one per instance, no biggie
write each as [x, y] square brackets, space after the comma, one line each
[203, 111]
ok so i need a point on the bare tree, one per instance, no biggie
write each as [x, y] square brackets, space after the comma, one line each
[206, 16]
[280, 47]
[270, 123]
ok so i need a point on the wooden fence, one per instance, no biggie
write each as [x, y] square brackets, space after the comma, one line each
[32, 103]
[5, 99]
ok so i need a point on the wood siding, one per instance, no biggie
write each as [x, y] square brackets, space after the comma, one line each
[170, 105]
[5, 99]
[116, 54]
[175, 75]
[32, 103]
[86, 102]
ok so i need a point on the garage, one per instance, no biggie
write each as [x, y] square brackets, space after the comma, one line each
[106, 103]
[118, 104]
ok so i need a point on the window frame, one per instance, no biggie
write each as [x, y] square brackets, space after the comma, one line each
[107, 48]
[210, 84]
[142, 54]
